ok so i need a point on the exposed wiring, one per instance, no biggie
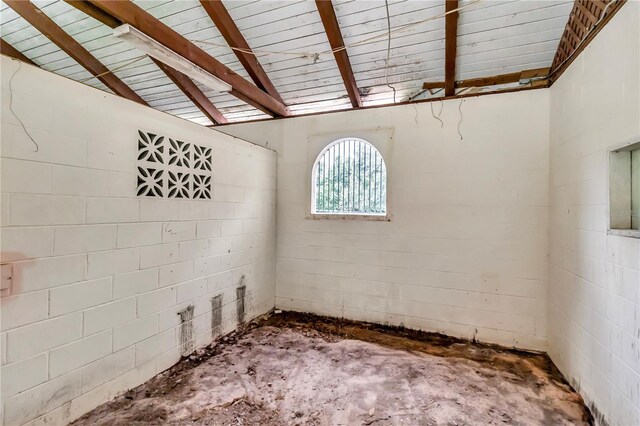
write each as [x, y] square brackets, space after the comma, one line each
[386, 66]
[119, 68]
[437, 117]
[460, 122]
[338, 49]
[11, 104]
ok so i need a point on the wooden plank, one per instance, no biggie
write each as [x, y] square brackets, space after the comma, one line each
[184, 83]
[451, 43]
[64, 41]
[194, 93]
[491, 81]
[332, 28]
[96, 13]
[130, 13]
[9, 50]
[223, 21]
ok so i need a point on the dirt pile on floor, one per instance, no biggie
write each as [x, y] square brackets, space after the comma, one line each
[307, 370]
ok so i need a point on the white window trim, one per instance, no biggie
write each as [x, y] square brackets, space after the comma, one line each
[629, 233]
[380, 138]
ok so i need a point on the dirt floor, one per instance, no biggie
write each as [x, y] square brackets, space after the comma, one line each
[296, 369]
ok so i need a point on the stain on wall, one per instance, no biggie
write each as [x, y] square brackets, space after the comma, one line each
[241, 294]
[216, 316]
[186, 329]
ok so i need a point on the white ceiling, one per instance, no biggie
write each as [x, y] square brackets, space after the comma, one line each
[494, 37]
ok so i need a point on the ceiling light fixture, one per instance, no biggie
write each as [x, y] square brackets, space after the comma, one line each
[162, 53]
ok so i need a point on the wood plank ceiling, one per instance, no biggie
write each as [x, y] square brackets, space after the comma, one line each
[300, 63]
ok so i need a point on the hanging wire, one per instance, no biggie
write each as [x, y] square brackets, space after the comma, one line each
[367, 40]
[460, 122]
[386, 66]
[11, 104]
[437, 117]
[122, 67]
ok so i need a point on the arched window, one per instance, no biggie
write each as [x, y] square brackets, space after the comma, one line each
[349, 177]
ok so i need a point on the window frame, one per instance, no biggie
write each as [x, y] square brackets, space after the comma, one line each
[629, 147]
[379, 138]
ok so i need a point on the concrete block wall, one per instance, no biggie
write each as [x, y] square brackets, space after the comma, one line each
[101, 275]
[466, 250]
[594, 288]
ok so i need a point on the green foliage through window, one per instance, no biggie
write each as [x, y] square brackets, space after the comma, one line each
[349, 177]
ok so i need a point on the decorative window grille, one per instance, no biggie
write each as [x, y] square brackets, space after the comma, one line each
[170, 168]
[349, 177]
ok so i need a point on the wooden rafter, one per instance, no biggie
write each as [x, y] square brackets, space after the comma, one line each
[192, 91]
[494, 80]
[128, 12]
[332, 28]
[229, 30]
[586, 19]
[64, 41]
[451, 44]
[184, 83]
[9, 50]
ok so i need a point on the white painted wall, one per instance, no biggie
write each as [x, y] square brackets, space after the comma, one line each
[466, 250]
[594, 289]
[100, 274]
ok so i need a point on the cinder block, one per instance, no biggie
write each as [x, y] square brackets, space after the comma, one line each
[25, 177]
[178, 231]
[194, 210]
[41, 399]
[156, 301]
[209, 229]
[23, 375]
[84, 239]
[139, 234]
[132, 283]
[159, 210]
[220, 210]
[26, 243]
[79, 353]
[155, 346]
[46, 210]
[175, 273]
[112, 262]
[162, 254]
[79, 181]
[113, 210]
[232, 227]
[122, 184]
[76, 297]
[206, 266]
[33, 339]
[195, 249]
[135, 331]
[48, 272]
[192, 290]
[109, 315]
[23, 309]
[107, 368]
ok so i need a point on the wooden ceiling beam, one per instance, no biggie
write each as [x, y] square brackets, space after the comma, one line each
[64, 41]
[184, 83]
[514, 77]
[450, 46]
[229, 30]
[128, 12]
[9, 50]
[332, 29]
[193, 92]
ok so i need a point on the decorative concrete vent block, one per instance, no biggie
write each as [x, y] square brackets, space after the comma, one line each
[170, 168]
